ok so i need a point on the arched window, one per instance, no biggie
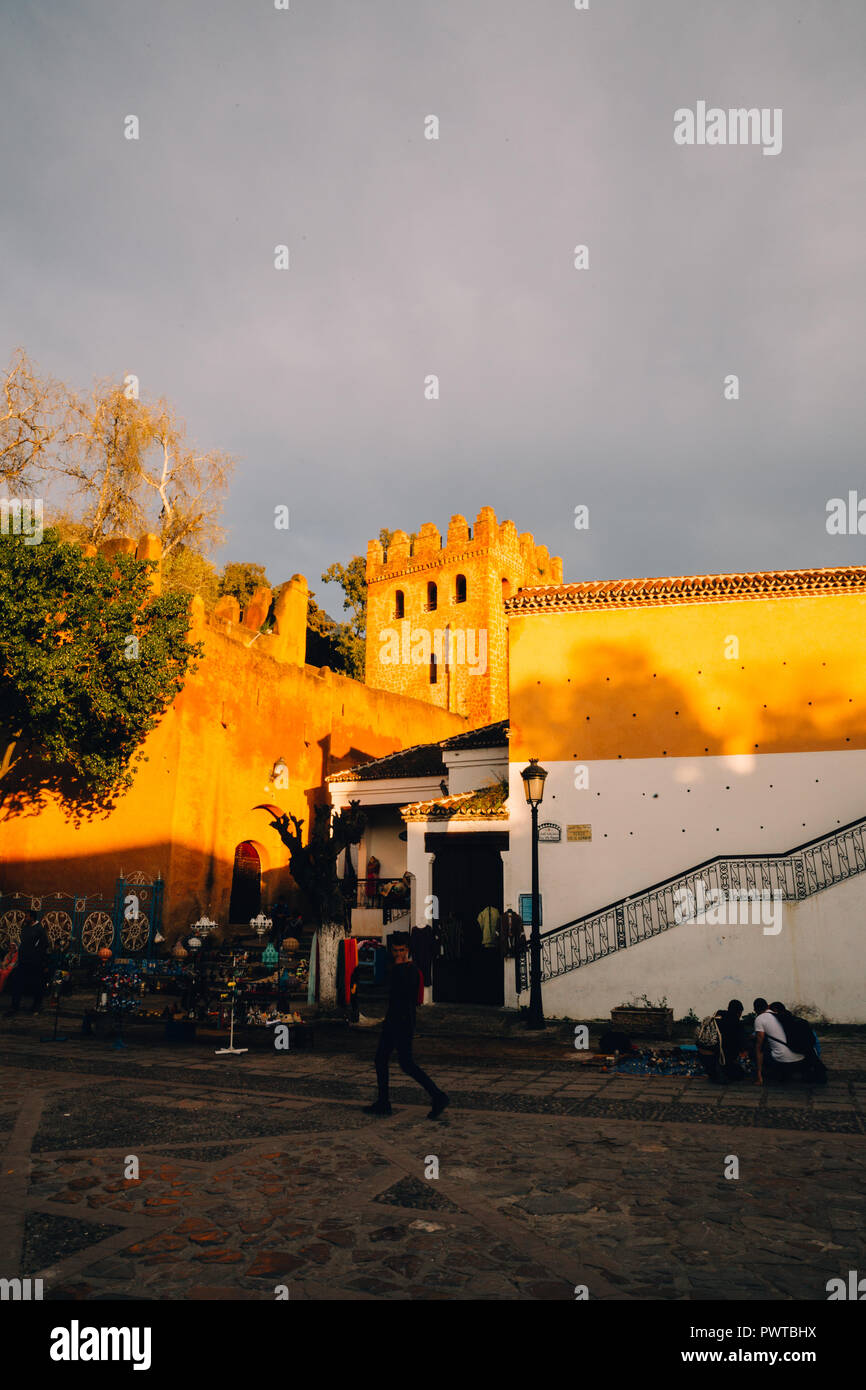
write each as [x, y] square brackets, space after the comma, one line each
[399, 604]
[506, 588]
[432, 598]
[434, 674]
[246, 896]
[460, 589]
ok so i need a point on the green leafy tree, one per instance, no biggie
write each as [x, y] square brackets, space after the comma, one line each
[323, 635]
[89, 662]
[351, 637]
[314, 868]
[240, 581]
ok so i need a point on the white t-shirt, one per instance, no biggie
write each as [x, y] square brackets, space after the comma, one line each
[779, 1050]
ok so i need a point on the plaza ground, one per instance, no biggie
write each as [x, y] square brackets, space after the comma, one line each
[262, 1170]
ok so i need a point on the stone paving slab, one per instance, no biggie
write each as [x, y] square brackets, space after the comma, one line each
[252, 1176]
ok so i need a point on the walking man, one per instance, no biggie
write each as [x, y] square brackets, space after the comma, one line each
[397, 1032]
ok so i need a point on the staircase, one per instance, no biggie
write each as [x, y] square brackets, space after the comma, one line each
[791, 876]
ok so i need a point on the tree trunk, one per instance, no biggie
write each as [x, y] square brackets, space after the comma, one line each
[330, 936]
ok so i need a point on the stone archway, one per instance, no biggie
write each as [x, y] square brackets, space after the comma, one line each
[246, 894]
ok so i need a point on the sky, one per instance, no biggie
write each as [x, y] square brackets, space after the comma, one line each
[559, 387]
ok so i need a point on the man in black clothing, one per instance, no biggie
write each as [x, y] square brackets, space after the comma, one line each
[29, 973]
[397, 1032]
[733, 1040]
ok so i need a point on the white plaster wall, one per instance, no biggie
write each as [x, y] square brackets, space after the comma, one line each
[655, 817]
[475, 767]
[381, 838]
[420, 864]
[817, 958]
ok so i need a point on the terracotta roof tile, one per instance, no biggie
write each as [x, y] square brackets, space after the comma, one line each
[696, 588]
[484, 803]
[424, 759]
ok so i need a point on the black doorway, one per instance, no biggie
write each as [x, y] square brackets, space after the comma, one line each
[246, 898]
[467, 877]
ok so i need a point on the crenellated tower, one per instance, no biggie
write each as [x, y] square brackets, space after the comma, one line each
[435, 617]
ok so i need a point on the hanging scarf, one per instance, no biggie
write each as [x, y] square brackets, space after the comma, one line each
[311, 982]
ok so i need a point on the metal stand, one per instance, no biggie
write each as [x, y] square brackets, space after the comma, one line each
[55, 1036]
[221, 1051]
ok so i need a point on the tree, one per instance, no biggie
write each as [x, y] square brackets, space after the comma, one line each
[189, 485]
[89, 662]
[123, 465]
[351, 638]
[314, 868]
[32, 420]
[323, 635]
[240, 581]
[184, 571]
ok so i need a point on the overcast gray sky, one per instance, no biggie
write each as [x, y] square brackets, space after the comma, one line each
[411, 256]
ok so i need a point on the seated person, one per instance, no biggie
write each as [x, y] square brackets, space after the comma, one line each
[733, 1040]
[782, 1062]
[721, 1061]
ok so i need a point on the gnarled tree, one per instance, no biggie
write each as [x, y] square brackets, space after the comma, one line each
[314, 869]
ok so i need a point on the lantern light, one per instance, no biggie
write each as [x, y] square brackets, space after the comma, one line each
[533, 782]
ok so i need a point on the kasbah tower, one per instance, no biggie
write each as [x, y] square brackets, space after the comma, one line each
[436, 626]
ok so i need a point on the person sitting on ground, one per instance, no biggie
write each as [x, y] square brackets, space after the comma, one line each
[733, 1040]
[801, 1038]
[782, 1062]
[720, 1042]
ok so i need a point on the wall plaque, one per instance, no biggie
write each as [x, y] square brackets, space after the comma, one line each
[549, 832]
[578, 832]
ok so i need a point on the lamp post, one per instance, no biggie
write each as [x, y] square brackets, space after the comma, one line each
[533, 787]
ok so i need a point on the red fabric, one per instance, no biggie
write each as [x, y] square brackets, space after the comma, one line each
[350, 957]
[7, 967]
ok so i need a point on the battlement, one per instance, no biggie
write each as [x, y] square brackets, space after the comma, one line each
[285, 642]
[430, 604]
[427, 551]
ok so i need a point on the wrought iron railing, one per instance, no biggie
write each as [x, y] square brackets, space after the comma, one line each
[392, 895]
[83, 924]
[790, 876]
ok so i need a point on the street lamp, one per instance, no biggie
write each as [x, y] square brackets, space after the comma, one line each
[533, 787]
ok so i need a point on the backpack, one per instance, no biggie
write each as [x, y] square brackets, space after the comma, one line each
[798, 1034]
[708, 1035]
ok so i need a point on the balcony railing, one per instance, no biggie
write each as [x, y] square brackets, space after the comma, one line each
[389, 894]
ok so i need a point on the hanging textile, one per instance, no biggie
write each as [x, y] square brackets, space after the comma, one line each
[421, 946]
[314, 960]
[350, 959]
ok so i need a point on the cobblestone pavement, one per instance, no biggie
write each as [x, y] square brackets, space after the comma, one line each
[262, 1170]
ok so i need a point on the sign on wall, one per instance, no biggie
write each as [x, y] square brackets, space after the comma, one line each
[526, 909]
[549, 832]
[578, 832]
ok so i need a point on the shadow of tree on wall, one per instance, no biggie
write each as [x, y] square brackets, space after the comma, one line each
[32, 783]
[647, 714]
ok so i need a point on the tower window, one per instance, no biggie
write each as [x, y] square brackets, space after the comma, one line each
[460, 589]
[434, 674]
[398, 604]
[432, 598]
[506, 588]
